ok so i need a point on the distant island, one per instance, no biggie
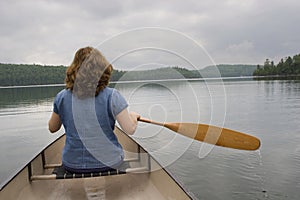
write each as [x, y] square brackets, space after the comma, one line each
[286, 67]
[26, 74]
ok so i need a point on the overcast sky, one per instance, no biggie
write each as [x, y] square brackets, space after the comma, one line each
[184, 32]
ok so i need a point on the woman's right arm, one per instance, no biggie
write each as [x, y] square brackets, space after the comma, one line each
[54, 123]
[128, 121]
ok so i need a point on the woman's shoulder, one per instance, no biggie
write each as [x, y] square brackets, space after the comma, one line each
[110, 90]
[110, 93]
[63, 93]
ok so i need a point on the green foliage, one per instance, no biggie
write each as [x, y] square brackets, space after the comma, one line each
[237, 70]
[159, 74]
[182, 73]
[116, 74]
[20, 74]
[13, 74]
[287, 66]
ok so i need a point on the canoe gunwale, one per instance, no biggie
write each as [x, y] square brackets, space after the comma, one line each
[51, 165]
[28, 165]
[175, 179]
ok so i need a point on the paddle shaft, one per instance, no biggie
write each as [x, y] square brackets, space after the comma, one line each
[211, 134]
[172, 126]
[150, 121]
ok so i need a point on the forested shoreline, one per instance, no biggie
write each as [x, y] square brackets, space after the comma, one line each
[286, 67]
[26, 74]
[33, 74]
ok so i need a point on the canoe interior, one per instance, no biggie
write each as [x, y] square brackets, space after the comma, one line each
[155, 183]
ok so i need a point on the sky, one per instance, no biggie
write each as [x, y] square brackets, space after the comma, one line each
[137, 34]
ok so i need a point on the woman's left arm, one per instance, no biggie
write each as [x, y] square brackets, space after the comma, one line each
[54, 123]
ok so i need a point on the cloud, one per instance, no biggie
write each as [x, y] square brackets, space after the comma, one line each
[244, 46]
[49, 31]
[242, 52]
[154, 45]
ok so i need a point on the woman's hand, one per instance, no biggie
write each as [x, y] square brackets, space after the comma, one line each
[134, 116]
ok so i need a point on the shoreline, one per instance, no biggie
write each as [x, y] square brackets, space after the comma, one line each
[137, 81]
[280, 77]
[268, 77]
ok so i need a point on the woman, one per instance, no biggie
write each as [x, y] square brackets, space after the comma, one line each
[88, 109]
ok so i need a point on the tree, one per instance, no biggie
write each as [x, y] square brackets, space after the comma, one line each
[287, 66]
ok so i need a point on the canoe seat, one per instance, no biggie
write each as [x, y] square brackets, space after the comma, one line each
[61, 173]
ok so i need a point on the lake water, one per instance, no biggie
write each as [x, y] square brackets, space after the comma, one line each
[267, 109]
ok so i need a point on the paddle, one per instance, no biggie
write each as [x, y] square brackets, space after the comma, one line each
[212, 134]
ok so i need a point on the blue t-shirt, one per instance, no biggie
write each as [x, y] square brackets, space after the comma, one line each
[89, 124]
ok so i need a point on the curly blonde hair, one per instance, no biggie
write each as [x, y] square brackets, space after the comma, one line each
[89, 73]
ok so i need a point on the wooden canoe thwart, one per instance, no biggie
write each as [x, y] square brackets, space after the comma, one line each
[212, 134]
[145, 178]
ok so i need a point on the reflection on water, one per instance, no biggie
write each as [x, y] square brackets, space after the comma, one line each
[25, 100]
[276, 77]
[17, 97]
[268, 109]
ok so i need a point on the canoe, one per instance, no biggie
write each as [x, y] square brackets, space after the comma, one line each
[144, 179]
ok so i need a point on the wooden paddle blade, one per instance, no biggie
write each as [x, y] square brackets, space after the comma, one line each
[216, 135]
